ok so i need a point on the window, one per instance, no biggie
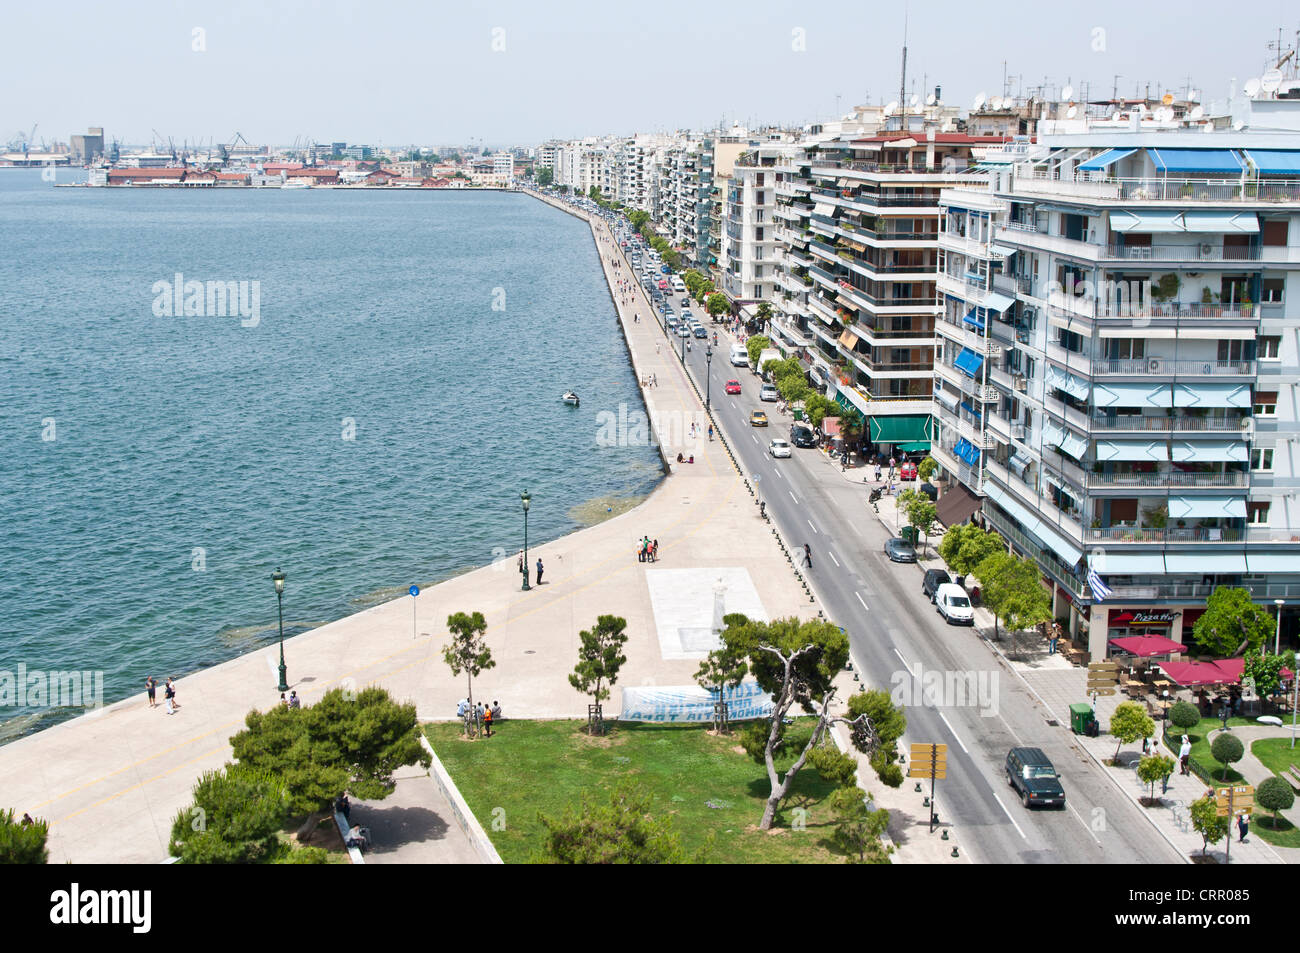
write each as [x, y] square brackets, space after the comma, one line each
[1273, 232]
[1236, 350]
[1123, 349]
[1261, 458]
[1270, 347]
[1071, 341]
[1271, 290]
[1029, 368]
[1266, 403]
[1257, 514]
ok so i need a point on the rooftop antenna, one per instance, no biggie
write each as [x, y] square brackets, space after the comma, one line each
[1114, 90]
[902, 78]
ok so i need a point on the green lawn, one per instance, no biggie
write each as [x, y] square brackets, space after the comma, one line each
[528, 767]
[1277, 755]
[1201, 738]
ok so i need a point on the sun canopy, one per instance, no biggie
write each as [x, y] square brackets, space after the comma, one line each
[908, 428]
[1105, 160]
[1274, 161]
[968, 362]
[1145, 646]
[1196, 160]
[1188, 674]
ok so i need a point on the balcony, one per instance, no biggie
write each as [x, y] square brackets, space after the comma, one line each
[1164, 189]
[1171, 534]
[1260, 591]
[1161, 424]
[1163, 367]
[1048, 560]
[1167, 478]
[1154, 309]
[1200, 251]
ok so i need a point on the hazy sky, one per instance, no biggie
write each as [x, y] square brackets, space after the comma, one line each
[398, 73]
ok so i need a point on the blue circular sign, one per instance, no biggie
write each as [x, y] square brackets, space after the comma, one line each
[415, 590]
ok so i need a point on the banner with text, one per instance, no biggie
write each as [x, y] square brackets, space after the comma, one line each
[692, 703]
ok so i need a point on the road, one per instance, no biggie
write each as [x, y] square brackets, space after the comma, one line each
[896, 636]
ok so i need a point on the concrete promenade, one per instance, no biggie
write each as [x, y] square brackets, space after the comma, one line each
[111, 782]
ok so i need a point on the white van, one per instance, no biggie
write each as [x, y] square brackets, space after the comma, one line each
[739, 355]
[951, 602]
[678, 285]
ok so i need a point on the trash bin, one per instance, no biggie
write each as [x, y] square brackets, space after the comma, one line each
[1082, 719]
[908, 534]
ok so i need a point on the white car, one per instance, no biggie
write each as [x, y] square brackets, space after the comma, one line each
[779, 448]
[769, 393]
[953, 604]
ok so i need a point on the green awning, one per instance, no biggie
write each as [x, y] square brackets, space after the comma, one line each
[909, 428]
[914, 446]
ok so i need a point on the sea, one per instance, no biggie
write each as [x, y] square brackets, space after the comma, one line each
[362, 411]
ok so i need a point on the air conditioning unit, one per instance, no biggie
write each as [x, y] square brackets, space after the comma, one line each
[1021, 383]
[1155, 365]
[1207, 250]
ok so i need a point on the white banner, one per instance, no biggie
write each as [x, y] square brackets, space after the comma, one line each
[692, 703]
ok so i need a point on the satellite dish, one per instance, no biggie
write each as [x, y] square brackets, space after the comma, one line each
[891, 108]
[980, 100]
[1006, 102]
[1112, 111]
[915, 99]
[1238, 126]
[1072, 112]
[1167, 99]
[1252, 88]
[1067, 93]
[1271, 80]
[1196, 113]
[1191, 94]
[930, 100]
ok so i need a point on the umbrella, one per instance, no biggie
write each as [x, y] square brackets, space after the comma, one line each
[1145, 646]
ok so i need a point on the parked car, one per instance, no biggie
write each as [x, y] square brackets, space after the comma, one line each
[907, 471]
[1033, 776]
[951, 602]
[759, 419]
[778, 448]
[769, 393]
[933, 579]
[900, 550]
[733, 387]
[802, 436]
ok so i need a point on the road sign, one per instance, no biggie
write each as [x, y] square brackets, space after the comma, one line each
[925, 750]
[414, 590]
[1101, 692]
[1235, 800]
[928, 761]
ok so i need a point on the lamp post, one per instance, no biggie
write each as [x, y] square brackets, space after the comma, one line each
[1277, 637]
[278, 578]
[708, 375]
[526, 500]
[682, 340]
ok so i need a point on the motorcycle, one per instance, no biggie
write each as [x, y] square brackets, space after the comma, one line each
[874, 495]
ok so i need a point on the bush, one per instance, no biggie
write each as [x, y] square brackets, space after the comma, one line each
[234, 819]
[22, 843]
[1227, 749]
[1184, 716]
[1274, 794]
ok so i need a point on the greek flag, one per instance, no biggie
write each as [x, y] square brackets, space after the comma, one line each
[1100, 591]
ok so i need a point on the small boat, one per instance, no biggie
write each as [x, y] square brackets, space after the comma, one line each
[295, 185]
[570, 398]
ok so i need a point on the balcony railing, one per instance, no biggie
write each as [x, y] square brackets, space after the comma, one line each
[1172, 309]
[1205, 251]
[1159, 366]
[1227, 478]
[1160, 189]
[1147, 423]
[1260, 591]
[1170, 534]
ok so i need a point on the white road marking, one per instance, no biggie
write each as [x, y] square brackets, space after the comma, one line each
[793, 497]
[954, 732]
[1009, 817]
[733, 405]
[1080, 819]
[755, 438]
[864, 604]
[810, 523]
[896, 652]
[778, 474]
[833, 559]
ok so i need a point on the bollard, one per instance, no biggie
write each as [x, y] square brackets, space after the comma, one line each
[954, 851]
[945, 834]
[918, 787]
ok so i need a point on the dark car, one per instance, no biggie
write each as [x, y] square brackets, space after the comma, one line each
[900, 550]
[1035, 779]
[700, 332]
[934, 578]
[685, 302]
[802, 436]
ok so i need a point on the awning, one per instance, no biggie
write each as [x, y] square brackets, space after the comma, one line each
[848, 339]
[1019, 463]
[967, 452]
[1132, 564]
[1210, 451]
[1184, 507]
[1132, 395]
[1053, 433]
[1035, 526]
[1069, 553]
[1126, 221]
[823, 208]
[998, 302]
[1195, 160]
[970, 409]
[1221, 222]
[1105, 160]
[968, 362]
[1188, 674]
[973, 318]
[1132, 450]
[1146, 646]
[1074, 445]
[1001, 251]
[1212, 394]
[908, 428]
[1271, 562]
[914, 446]
[956, 505]
[1209, 563]
[1274, 161]
[947, 399]
[1076, 387]
[831, 426]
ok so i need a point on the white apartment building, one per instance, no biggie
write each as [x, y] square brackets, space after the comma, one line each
[1117, 377]
[503, 168]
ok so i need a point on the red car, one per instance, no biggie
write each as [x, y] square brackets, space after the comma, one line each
[907, 471]
[733, 387]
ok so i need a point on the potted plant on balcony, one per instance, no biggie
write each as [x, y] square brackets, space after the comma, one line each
[1166, 288]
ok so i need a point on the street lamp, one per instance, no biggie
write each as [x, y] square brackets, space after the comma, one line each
[278, 578]
[708, 380]
[526, 500]
[1277, 637]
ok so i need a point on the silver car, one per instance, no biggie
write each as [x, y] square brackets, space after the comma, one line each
[769, 393]
[779, 448]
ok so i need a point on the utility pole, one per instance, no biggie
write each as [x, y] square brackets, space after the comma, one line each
[902, 79]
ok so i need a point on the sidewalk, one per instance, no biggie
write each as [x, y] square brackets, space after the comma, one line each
[110, 782]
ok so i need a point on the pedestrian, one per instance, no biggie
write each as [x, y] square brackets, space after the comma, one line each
[654, 549]
[151, 687]
[294, 700]
[656, 347]
[487, 722]
[878, 474]
[1242, 828]
[27, 820]
[171, 683]
[1184, 753]
[496, 712]
[344, 807]
[478, 713]
[169, 694]
[462, 706]
[710, 433]
[807, 555]
[539, 571]
[640, 552]
[892, 463]
[284, 702]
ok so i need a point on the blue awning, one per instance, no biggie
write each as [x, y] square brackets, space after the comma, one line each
[1220, 507]
[974, 319]
[1129, 563]
[1196, 160]
[1235, 222]
[1132, 395]
[1069, 553]
[1132, 450]
[966, 406]
[1271, 562]
[968, 362]
[1274, 161]
[1074, 445]
[1210, 451]
[1210, 563]
[998, 302]
[1212, 394]
[1158, 222]
[1105, 160]
[1076, 387]
[966, 451]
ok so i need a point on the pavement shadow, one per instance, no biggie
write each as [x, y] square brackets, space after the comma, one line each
[393, 828]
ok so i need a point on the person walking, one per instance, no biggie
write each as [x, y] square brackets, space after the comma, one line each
[539, 571]
[1242, 828]
[169, 694]
[710, 433]
[654, 549]
[151, 688]
[294, 700]
[487, 719]
[1184, 753]
[807, 555]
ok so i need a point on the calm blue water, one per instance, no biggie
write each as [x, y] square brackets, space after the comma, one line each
[178, 433]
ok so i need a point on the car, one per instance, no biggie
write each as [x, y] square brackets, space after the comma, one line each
[769, 393]
[698, 331]
[934, 578]
[672, 324]
[951, 602]
[739, 355]
[732, 387]
[900, 550]
[686, 313]
[665, 270]
[802, 436]
[1034, 778]
[758, 419]
[778, 448]
[685, 302]
[663, 284]
[683, 331]
[907, 471]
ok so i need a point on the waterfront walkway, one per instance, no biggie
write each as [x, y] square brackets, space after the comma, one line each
[110, 783]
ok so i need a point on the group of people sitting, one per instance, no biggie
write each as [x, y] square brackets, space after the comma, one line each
[690, 459]
[647, 551]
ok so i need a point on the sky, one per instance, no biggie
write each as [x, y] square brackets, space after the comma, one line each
[506, 73]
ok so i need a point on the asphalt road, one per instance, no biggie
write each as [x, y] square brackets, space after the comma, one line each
[896, 637]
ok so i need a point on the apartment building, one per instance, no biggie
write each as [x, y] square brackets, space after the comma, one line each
[1117, 369]
[749, 260]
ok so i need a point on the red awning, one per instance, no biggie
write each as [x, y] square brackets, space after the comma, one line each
[1232, 667]
[1189, 674]
[831, 426]
[1146, 646]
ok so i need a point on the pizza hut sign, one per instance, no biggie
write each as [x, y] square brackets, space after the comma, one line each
[1121, 617]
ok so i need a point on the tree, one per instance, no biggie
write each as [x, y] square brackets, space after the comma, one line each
[234, 819]
[1230, 621]
[1227, 749]
[1128, 724]
[594, 193]
[920, 510]
[348, 741]
[1153, 768]
[858, 828]
[1012, 592]
[545, 177]
[1266, 670]
[620, 832]
[763, 315]
[1274, 794]
[468, 653]
[599, 659]
[964, 547]
[888, 722]
[794, 662]
[756, 345]
[925, 469]
[1184, 716]
[1207, 822]
[717, 304]
[23, 843]
[852, 427]
[721, 668]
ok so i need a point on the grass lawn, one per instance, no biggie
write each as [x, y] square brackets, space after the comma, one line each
[1277, 755]
[1201, 739]
[528, 767]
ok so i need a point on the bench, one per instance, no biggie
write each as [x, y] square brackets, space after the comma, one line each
[1292, 774]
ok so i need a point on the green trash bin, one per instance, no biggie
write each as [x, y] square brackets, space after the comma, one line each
[908, 534]
[1081, 718]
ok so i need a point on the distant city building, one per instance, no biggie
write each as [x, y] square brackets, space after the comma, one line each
[88, 147]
